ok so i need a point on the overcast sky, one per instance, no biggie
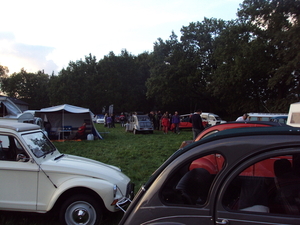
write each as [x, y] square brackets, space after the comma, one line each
[47, 35]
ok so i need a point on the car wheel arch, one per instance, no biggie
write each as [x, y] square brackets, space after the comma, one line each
[75, 191]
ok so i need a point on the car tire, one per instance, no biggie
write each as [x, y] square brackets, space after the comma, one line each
[80, 209]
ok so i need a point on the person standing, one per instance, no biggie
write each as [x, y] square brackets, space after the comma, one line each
[151, 116]
[176, 121]
[196, 121]
[243, 118]
[105, 119]
[158, 120]
[122, 120]
[165, 122]
[112, 125]
[109, 121]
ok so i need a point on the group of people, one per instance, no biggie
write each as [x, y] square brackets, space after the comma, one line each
[109, 120]
[165, 121]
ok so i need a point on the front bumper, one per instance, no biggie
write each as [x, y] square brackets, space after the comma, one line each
[126, 200]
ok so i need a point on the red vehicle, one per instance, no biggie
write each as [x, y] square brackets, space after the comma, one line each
[215, 162]
[230, 125]
[185, 122]
[248, 176]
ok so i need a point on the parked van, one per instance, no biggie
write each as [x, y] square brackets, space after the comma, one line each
[264, 116]
[212, 119]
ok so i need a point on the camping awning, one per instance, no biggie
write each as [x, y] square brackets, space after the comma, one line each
[63, 115]
[66, 107]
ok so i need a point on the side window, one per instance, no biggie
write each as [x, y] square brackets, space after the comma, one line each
[190, 184]
[11, 150]
[268, 186]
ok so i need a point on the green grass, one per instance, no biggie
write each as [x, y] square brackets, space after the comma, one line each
[137, 155]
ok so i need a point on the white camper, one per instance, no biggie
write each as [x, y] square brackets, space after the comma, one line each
[294, 115]
[212, 119]
[264, 116]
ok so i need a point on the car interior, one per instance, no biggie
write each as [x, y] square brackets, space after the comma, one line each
[268, 186]
[11, 150]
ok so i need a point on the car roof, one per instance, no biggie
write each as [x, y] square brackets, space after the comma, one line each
[250, 131]
[269, 123]
[16, 126]
[237, 124]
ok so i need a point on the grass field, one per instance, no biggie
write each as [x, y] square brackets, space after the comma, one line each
[137, 155]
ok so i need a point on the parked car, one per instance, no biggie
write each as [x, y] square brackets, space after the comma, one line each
[100, 118]
[117, 118]
[186, 124]
[208, 119]
[139, 124]
[36, 177]
[230, 125]
[279, 119]
[257, 181]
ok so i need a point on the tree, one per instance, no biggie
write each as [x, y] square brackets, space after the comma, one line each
[117, 80]
[180, 71]
[124, 79]
[3, 73]
[75, 85]
[29, 87]
[277, 23]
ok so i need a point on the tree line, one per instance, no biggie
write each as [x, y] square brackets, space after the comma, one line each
[250, 64]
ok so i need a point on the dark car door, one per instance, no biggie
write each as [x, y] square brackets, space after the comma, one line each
[271, 195]
[178, 196]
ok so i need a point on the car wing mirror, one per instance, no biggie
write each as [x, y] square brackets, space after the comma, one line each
[22, 158]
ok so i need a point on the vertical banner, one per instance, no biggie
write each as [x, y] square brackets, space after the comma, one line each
[111, 109]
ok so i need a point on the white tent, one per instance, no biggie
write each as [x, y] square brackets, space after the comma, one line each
[69, 117]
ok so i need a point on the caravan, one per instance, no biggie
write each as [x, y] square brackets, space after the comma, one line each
[294, 115]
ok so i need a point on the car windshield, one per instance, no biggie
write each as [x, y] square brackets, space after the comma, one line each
[39, 144]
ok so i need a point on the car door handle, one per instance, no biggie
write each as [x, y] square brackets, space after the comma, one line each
[223, 221]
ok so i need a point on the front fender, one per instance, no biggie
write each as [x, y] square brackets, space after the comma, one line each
[101, 187]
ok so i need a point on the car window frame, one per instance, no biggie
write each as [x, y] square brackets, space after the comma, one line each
[225, 180]
[186, 163]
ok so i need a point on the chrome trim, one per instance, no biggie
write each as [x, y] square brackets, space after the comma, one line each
[123, 201]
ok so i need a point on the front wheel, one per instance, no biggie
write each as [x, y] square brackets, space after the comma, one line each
[80, 209]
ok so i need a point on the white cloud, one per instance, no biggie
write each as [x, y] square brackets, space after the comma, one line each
[48, 34]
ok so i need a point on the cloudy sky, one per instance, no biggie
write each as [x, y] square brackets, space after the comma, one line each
[47, 35]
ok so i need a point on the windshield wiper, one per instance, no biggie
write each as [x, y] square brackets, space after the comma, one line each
[58, 157]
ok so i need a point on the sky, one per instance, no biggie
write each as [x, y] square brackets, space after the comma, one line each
[47, 35]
